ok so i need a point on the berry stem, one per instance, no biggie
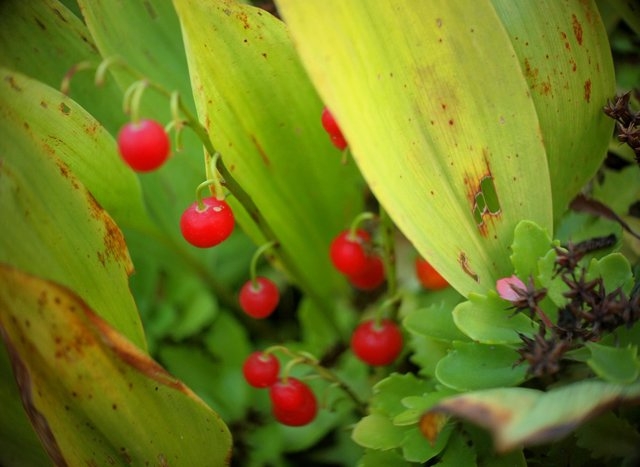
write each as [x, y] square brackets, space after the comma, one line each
[306, 358]
[254, 262]
[387, 229]
[355, 223]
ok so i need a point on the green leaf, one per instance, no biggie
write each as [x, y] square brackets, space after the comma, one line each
[80, 246]
[416, 448]
[530, 243]
[44, 40]
[457, 122]
[388, 393]
[565, 58]
[523, 416]
[471, 366]
[609, 437]
[617, 365]
[41, 115]
[374, 458]
[615, 271]
[435, 322]
[280, 155]
[92, 395]
[376, 431]
[488, 319]
[459, 451]
[427, 352]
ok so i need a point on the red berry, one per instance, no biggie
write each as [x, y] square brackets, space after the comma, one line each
[349, 253]
[144, 145]
[372, 277]
[261, 369]
[259, 300]
[208, 227]
[377, 344]
[293, 402]
[429, 277]
[331, 126]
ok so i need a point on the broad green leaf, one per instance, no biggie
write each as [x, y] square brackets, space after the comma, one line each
[614, 364]
[427, 352]
[59, 126]
[471, 366]
[388, 393]
[565, 57]
[615, 271]
[439, 118]
[263, 115]
[57, 230]
[489, 320]
[92, 395]
[44, 40]
[530, 243]
[416, 448]
[523, 416]
[435, 321]
[376, 431]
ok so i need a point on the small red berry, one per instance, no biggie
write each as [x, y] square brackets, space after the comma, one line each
[261, 369]
[428, 276]
[372, 277]
[260, 299]
[143, 145]
[377, 344]
[293, 402]
[349, 253]
[210, 226]
[331, 126]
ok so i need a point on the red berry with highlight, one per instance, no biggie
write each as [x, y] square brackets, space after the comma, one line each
[377, 344]
[349, 252]
[261, 369]
[210, 226]
[371, 277]
[143, 145]
[259, 300]
[428, 276]
[331, 127]
[293, 402]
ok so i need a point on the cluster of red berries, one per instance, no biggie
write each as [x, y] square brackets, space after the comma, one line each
[331, 127]
[352, 254]
[293, 402]
[145, 146]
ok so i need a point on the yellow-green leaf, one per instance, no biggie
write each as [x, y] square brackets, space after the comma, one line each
[263, 116]
[93, 397]
[436, 104]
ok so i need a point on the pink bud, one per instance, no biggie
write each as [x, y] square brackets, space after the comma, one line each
[507, 288]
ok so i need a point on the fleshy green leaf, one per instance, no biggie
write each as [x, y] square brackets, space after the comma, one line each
[523, 416]
[59, 126]
[614, 364]
[91, 394]
[615, 271]
[530, 243]
[459, 451]
[609, 437]
[487, 319]
[376, 431]
[471, 366]
[435, 322]
[388, 393]
[280, 154]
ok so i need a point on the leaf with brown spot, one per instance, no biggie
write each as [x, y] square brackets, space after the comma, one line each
[93, 396]
[522, 416]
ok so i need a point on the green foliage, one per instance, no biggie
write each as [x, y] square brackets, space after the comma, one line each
[470, 132]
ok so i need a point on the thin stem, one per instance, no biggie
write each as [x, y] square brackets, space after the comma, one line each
[357, 221]
[254, 262]
[387, 229]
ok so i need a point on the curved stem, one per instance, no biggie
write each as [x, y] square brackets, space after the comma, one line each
[254, 262]
[357, 221]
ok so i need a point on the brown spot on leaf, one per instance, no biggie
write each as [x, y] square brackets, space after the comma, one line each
[64, 108]
[587, 90]
[466, 267]
[577, 28]
[12, 82]
[261, 151]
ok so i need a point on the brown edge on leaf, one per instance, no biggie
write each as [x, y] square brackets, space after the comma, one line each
[38, 420]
